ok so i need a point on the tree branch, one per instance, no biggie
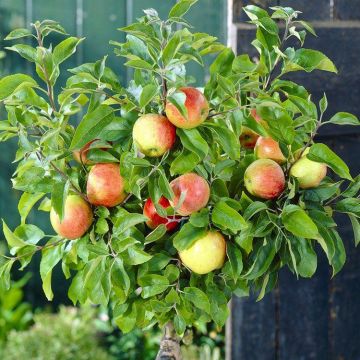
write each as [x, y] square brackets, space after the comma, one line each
[169, 345]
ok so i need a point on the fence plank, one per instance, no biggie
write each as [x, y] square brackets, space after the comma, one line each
[346, 10]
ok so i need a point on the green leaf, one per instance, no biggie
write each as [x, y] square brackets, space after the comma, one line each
[9, 84]
[321, 153]
[226, 138]
[200, 218]
[307, 262]
[187, 236]
[26, 203]
[298, 222]
[26, 51]
[255, 12]
[223, 63]
[58, 197]
[356, 228]
[181, 8]
[5, 270]
[136, 256]
[147, 94]
[344, 118]
[226, 218]
[171, 48]
[18, 34]
[179, 324]
[235, 258]
[29, 233]
[65, 49]
[126, 221]
[119, 275]
[323, 103]
[253, 209]
[13, 241]
[198, 298]
[193, 141]
[153, 284]
[184, 163]
[178, 99]
[139, 64]
[50, 257]
[349, 206]
[263, 259]
[308, 60]
[156, 234]
[91, 125]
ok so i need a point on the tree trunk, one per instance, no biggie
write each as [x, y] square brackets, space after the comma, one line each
[170, 344]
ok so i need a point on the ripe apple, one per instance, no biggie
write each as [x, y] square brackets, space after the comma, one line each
[206, 254]
[77, 219]
[197, 109]
[154, 134]
[81, 155]
[268, 148]
[308, 173]
[265, 179]
[105, 185]
[154, 218]
[196, 192]
[249, 137]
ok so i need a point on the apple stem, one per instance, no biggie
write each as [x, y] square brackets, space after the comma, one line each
[169, 345]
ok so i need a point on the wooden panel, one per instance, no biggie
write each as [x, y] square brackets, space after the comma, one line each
[311, 10]
[346, 10]
[253, 329]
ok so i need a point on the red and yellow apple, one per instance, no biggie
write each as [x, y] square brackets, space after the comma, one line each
[193, 190]
[308, 173]
[154, 134]
[155, 219]
[268, 148]
[206, 254]
[77, 218]
[105, 185]
[81, 155]
[264, 178]
[197, 109]
[249, 137]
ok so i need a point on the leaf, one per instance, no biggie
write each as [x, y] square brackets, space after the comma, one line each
[28, 233]
[349, 206]
[307, 262]
[200, 218]
[9, 84]
[223, 63]
[171, 48]
[198, 298]
[308, 60]
[18, 34]
[321, 153]
[91, 125]
[119, 275]
[226, 218]
[26, 51]
[13, 241]
[5, 270]
[181, 8]
[184, 163]
[147, 94]
[128, 220]
[187, 236]
[65, 49]
[156, 234]
[323, 104]
[178, 99]
[235, 258]
[344, 118]
[356, 228]
[137, 256]
[139, 64]
[50, 257]
[26, 203]
[298, 222]
[253, 209]
[227, 139]
[193, 141]
[58, 197]
[179, 324]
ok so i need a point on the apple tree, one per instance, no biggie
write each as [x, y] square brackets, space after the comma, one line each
[167, 199]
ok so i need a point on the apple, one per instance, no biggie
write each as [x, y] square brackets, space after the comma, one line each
[264, 178]
[155, 219]
[268, 148]
[195, 190]
[249, 137]
[197, 109]
[105, 185]
[77, 219]
[81, 155]
[154, 134]
[308, 173]
[206, 254]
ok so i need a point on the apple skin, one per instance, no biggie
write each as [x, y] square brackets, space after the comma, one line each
[77, 219]
[249, 137]
[265, 179]
[105, 185]
[308, 173]
[154, 134]
[197, 109]
[154, 218]
[81, 155]
[197, 193]
[268, 148]
[206, 254]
